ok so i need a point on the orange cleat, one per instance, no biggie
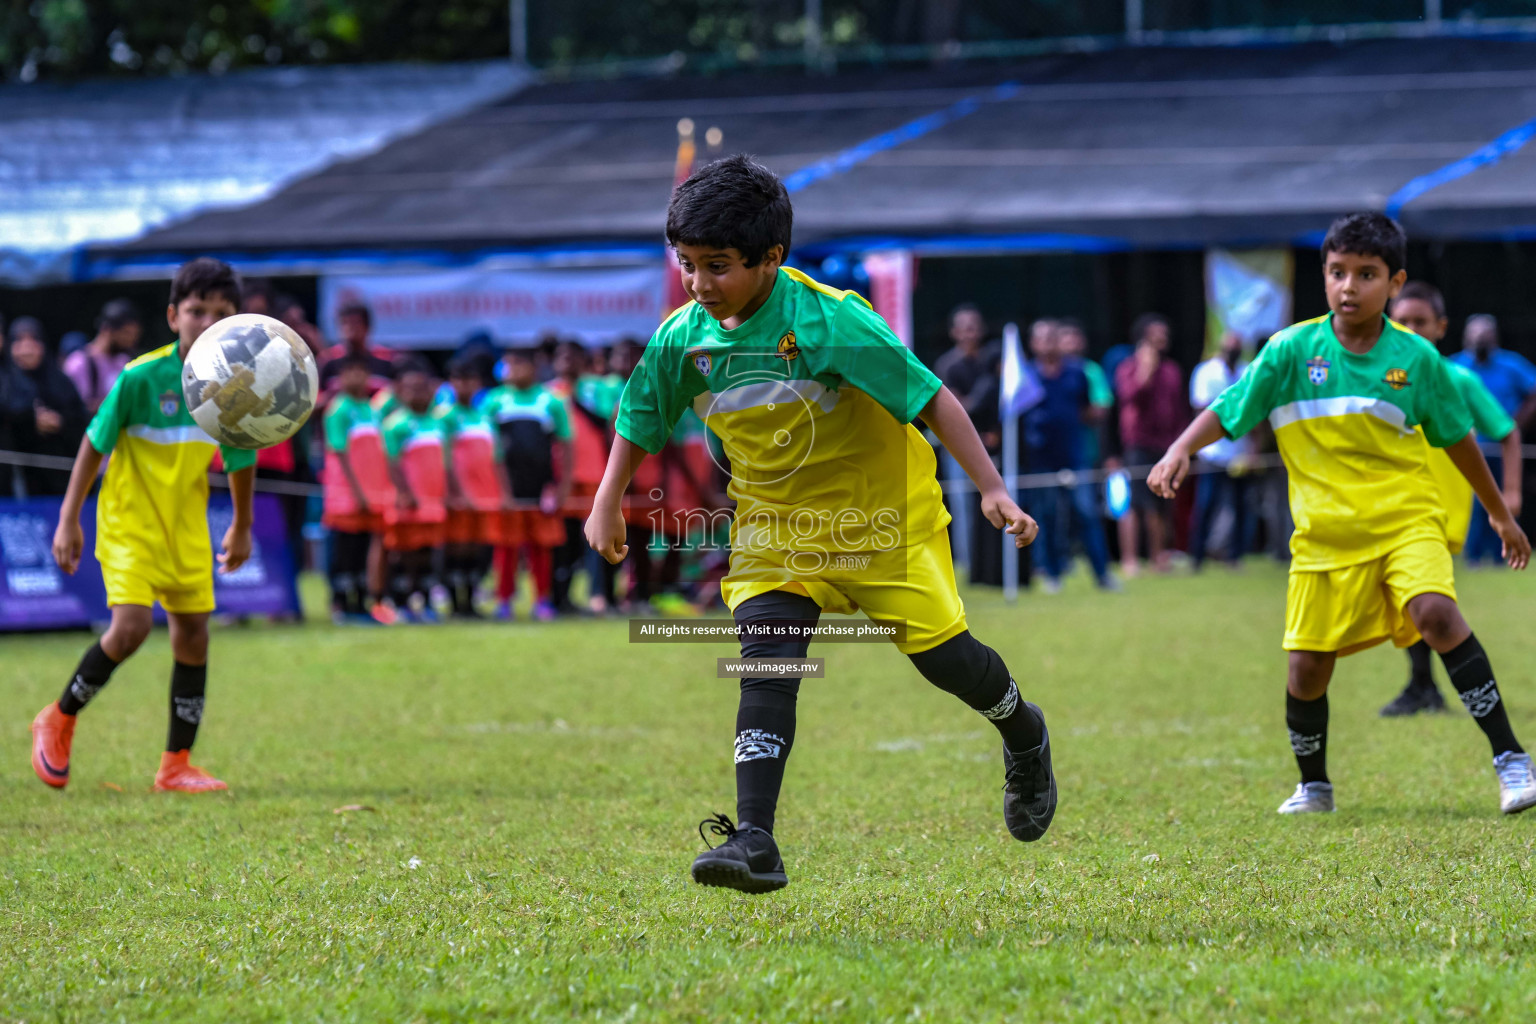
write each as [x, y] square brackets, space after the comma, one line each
[176, 774]
[52, 732]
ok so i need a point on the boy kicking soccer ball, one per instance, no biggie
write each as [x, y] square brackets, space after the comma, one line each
[837, 503]
[152, 531]
[1370, 560]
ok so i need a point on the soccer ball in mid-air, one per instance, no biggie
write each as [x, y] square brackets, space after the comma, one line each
[250, 381]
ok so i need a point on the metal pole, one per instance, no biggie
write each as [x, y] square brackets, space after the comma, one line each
[519, 11]
[1432, 14]
[813, 35]
[1010, 477]
[1133, 20]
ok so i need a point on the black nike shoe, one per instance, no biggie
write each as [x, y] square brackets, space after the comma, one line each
[1029, 787]
[1415, 698]
[747, 861]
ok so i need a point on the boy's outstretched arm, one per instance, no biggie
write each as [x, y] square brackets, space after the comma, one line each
[605, 526]
[1513, 472]
[1173, 467]
[947, 418]
[1470, 462]
[237, 539]
[68, 539]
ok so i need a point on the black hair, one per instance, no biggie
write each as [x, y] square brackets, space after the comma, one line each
[203, 277]
[735, 203]
[357, 309]
[258, 289]
[466, 366]
[1071, 323]
[117, 314]
[523, 352]
[1424, 292]
[352, 361]
[1143, 324]
[29, 325]
[412, 364]
[1368, 234]
[964, 307]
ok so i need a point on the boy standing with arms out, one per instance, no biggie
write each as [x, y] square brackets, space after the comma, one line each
[529, 421]
[477, 488]
[838, 504]
[1420, 308]
[356, 488]
[152, 531]
[1370, 560]
[415, 523]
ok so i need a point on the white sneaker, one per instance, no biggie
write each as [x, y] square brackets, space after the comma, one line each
[1517, 782]
[1315, 798]
[1049, 585]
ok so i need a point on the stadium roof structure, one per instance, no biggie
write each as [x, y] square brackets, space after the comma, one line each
[1135, 148]
[106, 160]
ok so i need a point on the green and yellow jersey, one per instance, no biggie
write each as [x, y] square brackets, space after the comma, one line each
[813, 399]
[1492, 423]
[1360, 483]
[152, 513]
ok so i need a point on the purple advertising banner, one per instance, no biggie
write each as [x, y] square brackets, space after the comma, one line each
[34, 594]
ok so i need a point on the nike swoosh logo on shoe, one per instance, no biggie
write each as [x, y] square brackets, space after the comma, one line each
[50, 769]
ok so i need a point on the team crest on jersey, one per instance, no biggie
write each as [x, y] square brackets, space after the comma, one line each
[788, 346]
[702, 362]
[1396, 379]
[1317, 370]
[170, 402]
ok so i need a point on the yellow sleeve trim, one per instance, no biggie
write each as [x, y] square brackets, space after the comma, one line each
[825, 289]
[149, 357]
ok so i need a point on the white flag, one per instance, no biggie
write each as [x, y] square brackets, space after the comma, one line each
[1021, 390]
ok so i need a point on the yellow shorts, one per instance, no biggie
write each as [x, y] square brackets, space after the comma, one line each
[914, 585]
[131, 588]
[1349, 609]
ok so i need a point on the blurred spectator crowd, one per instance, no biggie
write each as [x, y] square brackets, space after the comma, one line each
[428, 486]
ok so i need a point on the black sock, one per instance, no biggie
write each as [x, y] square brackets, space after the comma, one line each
[765, 730]
[1472, 676]
[356, 605]
[1421, 676]
[1308, 723]
[188, 684]
[972, 671]
[90, 676]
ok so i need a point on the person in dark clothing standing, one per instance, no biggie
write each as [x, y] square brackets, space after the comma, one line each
[970, 371]
[43, 412]
[1056, 441]
[1153, 410]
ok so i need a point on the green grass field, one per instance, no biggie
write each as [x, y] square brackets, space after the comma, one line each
[532, 791]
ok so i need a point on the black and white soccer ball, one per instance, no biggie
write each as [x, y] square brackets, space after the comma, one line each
[249, 381]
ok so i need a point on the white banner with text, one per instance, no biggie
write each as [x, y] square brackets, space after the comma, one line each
[437, 309]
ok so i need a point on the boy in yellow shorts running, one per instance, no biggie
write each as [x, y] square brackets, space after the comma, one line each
[152, 531]
[837, 503]
[1370, 560]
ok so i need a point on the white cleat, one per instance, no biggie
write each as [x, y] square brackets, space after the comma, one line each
[1517, 782]
[1313, 798]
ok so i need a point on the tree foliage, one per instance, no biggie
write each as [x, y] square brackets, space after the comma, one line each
[42, 39]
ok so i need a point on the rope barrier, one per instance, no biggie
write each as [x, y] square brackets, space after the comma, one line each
[1021, 482]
